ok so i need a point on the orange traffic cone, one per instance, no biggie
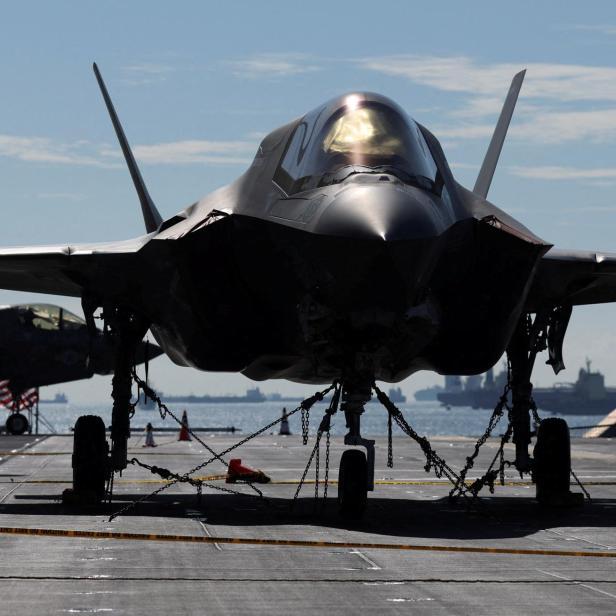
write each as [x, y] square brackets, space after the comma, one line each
[184, 435]
[238, 472]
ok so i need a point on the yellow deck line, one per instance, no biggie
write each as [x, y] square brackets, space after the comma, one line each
[90, 534]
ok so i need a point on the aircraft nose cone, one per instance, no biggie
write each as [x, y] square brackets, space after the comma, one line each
[379, 211]
[101, 357]
[147, 351]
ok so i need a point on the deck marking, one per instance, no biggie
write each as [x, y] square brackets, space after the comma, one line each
[578, 583]
[372, 565]
[206, 530]
[299, 543]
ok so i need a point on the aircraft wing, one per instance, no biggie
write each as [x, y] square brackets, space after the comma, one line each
[573, 277]
[67, 270]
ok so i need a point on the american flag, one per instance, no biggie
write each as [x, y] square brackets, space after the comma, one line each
[26, 399]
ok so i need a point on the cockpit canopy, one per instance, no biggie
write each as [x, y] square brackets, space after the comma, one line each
[48, 317]
[357, 133]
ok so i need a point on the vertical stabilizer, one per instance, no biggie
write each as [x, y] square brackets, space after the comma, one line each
[486, 173]
[151, 216]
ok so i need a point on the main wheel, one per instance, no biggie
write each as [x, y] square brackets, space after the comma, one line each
[352, 484]
[552, 461]
[17, 424]
[90, 458]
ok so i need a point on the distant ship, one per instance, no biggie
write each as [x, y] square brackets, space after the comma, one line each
[395, 395]
[59, 398]
[252, 395]
[429, 393]
[587, 396]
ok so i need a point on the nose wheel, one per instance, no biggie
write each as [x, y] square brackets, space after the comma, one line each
[352, 484]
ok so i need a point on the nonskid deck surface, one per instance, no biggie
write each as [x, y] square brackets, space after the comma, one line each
[48, 575]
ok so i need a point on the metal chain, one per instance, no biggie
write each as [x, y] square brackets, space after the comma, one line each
[308, 465]
[326, 480]
[489, 477]
[433, 460]
[316, 471]
[324, 428]
[533, 410]
[164, 410]
[166, 474]
[390, 447]
[470, 460]
[305, 425]
[305, 404]
[586, 494]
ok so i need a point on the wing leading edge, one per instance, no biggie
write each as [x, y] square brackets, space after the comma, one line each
[573, 277]
[68, 270]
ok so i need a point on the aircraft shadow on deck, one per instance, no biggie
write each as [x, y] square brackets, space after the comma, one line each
[496, 518]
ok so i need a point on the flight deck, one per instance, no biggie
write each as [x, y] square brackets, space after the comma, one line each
[236, 554]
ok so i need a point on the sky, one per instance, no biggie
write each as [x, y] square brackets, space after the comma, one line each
[198, 84]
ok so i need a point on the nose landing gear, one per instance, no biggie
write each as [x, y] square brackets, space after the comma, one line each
[356, 475]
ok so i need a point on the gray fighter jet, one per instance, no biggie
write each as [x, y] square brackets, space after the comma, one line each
[347, 251]
[43, 344]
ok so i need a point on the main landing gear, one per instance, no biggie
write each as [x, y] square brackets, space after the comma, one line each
[93, 461]
[356, 475]
[550, 466]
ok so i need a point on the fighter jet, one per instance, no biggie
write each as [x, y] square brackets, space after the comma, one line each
[43, 344]
[347, 251]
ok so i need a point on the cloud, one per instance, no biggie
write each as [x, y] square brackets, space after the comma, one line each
[273, 65]
[61, 196]
[544, 127]
[469, 166]
[145, 73]
[148, 68]
[564, 173]
[192, 152]
[45, 150]
[553, 107]
[83, 153]
[551, 81]
[600, 28]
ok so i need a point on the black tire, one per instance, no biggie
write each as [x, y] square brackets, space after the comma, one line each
[552, 461]
[17, 424]
[90, 457]
[352, 484]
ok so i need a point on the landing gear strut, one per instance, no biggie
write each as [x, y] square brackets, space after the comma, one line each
[356, 476]
[521, 353]
[551, 465]
[92, 464]
[128, 331]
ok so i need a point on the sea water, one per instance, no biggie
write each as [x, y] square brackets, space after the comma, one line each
[427, 418]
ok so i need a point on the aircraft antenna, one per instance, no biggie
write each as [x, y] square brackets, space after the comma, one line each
[486, 173]
[151, 215]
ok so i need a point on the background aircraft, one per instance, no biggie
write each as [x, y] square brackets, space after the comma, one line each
[43, 344]
[346, 251]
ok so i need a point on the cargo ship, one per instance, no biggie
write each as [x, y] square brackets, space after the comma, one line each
[59, 398]
[394, 393]
[252, 395]
[587, 396]
[428, 394]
